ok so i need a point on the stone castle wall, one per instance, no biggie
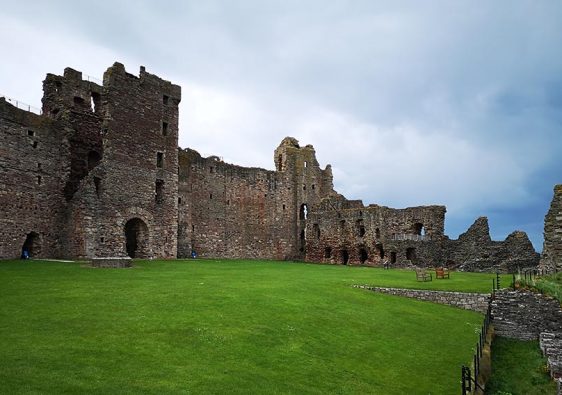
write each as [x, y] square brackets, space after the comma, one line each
[33, 171]
[99, 174]
[353, 234]
[237, 212]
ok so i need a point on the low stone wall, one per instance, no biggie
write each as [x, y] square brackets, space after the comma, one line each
[524, 315]
[464, 300]
[113, 262]
[551, 347]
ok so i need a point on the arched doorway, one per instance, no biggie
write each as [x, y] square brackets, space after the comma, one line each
[363, 255]
[136, 235]
[344, 257]
[31, 245]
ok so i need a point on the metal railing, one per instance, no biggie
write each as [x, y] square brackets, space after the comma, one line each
[21, 105]
[412, 237]
[89, 78]
[469, 378]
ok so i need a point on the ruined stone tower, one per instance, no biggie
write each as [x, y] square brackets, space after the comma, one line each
[232, 211]
[96, 174]
[551, 258]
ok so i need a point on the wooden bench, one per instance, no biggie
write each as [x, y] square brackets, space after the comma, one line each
[422, 275]
[442, 272]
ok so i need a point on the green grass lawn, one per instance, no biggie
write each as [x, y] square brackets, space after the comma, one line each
[218, 327]
[518, 368]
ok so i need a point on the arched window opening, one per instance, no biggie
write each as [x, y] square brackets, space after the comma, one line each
[95, 102]
[419, 229]
[363, 255]
[303, 213]
[411, 253]
[344, 257]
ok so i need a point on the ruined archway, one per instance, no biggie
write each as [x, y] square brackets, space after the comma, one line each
[136, 235]
[411, 253]
[31, 245]
[344, 257]
[419, 229]
[363, 255]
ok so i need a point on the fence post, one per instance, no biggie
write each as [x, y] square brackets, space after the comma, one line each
[463, 380]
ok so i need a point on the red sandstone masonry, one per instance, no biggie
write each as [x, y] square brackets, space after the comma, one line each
[99, 174]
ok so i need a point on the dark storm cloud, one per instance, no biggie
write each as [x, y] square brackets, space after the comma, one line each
[456, 103]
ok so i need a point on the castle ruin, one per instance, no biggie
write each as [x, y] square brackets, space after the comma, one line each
[551, 258]
[99, 174]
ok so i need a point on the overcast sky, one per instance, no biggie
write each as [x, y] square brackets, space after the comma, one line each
[413, 103]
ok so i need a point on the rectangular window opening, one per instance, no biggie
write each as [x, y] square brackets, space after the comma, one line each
[165, 99]
[164, 128]
[30, 133]
[97, 185]
[39, 180]
[159, 191]
[160, 159]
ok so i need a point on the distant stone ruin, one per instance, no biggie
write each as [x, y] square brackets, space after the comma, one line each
[551, 259]
[99, 175]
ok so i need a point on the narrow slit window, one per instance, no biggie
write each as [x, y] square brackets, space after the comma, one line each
[164, 128]
[97, 185]
[160, 159]
[165, 99]
[39, 180]
[159, 191]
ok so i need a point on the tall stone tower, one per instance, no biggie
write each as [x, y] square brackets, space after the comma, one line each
[305, 185]
[551, 257]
